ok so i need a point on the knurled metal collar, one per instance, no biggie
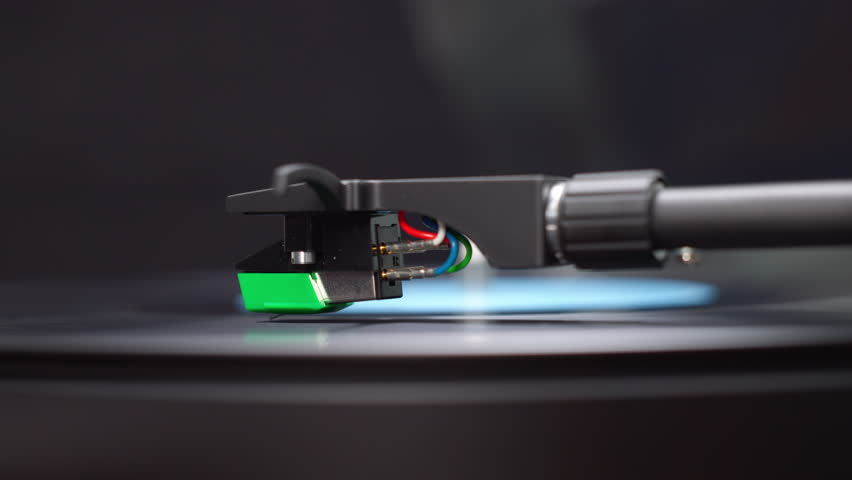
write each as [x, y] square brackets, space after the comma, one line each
[551, 220]
[603, 220]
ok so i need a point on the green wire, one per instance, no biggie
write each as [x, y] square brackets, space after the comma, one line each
[468, 253]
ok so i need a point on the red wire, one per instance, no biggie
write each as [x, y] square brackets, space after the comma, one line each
[404, 225]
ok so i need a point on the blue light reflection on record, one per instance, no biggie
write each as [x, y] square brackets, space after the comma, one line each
[538, 295]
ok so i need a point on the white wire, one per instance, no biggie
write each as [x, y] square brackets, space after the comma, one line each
[442, 233]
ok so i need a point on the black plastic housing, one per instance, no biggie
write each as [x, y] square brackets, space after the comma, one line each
[342, 244]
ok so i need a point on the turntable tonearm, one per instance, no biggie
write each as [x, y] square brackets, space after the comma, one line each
[342, 239]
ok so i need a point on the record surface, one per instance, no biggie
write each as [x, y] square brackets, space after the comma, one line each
[733, 301]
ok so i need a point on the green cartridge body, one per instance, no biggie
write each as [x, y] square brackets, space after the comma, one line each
[285, 293]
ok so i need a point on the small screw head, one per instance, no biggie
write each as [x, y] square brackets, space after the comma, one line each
[302, 257]
[688, 256]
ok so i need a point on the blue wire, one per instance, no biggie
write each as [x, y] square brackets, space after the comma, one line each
[454, 252]
[454, 245]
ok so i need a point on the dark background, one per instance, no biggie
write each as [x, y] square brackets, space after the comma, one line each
[125, 125]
